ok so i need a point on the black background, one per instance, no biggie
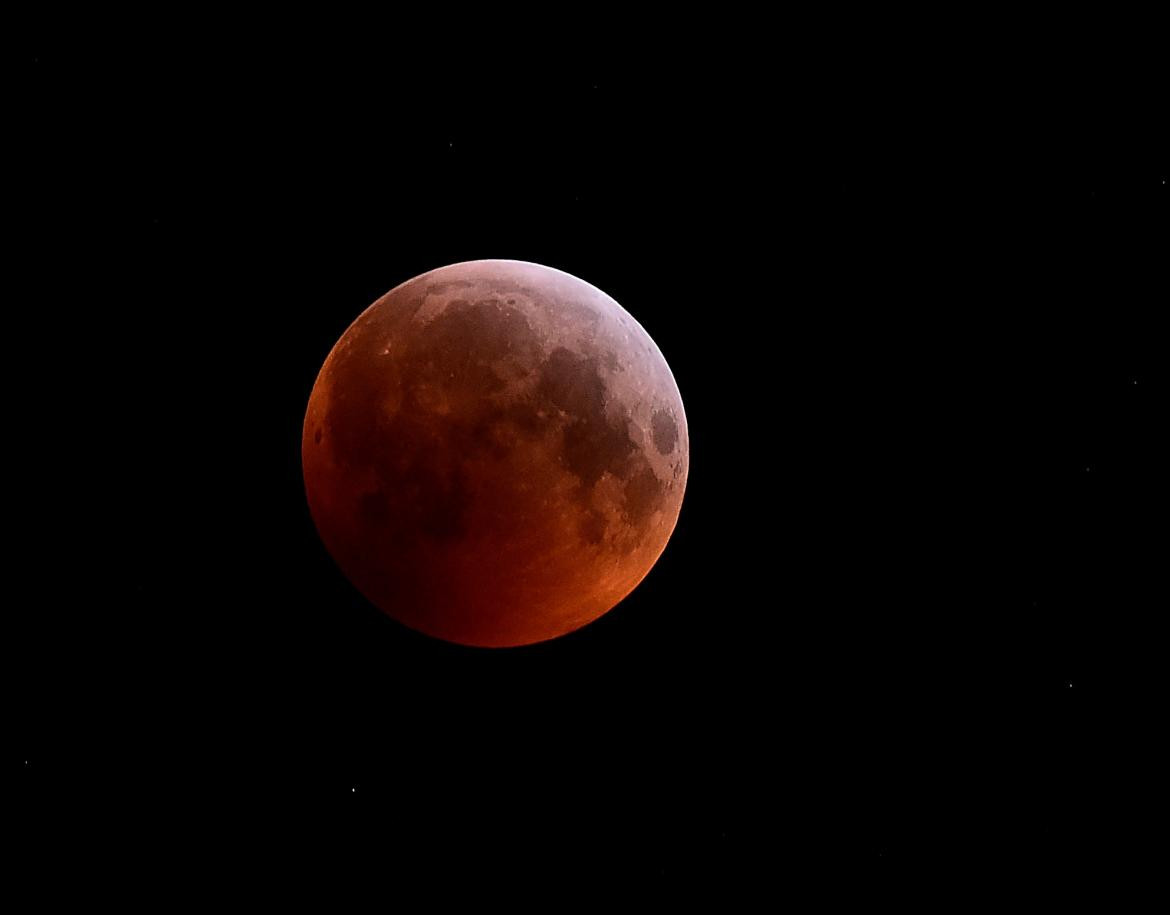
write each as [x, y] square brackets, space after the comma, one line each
[905, 625]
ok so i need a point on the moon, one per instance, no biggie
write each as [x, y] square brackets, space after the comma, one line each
[495, 453]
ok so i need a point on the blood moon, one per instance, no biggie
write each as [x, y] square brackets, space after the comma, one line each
[495, 453]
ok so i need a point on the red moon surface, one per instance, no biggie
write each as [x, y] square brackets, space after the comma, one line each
[495, 453]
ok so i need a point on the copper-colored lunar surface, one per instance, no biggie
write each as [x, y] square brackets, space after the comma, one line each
[495, 453]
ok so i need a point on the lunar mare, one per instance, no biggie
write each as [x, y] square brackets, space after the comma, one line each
[495, 453]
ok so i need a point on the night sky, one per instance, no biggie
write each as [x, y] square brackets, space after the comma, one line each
[906, 629]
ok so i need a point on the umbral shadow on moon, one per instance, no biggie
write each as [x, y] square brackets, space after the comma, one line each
[495, 453]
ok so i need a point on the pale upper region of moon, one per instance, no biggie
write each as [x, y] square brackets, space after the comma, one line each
[495, 453]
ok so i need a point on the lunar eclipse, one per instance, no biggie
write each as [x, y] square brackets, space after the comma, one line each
[495, 453]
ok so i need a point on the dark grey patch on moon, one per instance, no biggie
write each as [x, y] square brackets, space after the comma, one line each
[466, 341]
[593, 527]
[664, 431]
[421, 484]
[643, 492]
[594, 444]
